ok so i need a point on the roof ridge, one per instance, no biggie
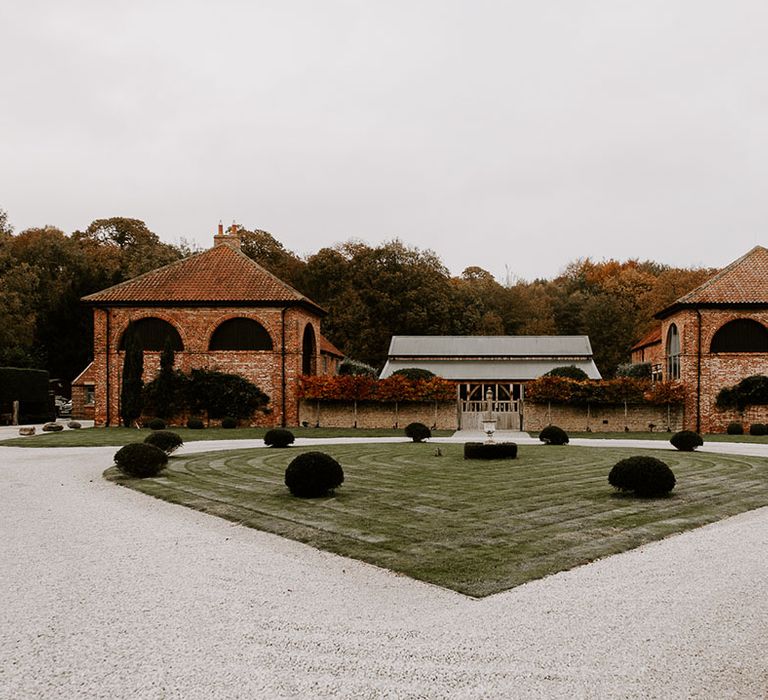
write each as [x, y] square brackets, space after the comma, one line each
[267, 272]
[719, 275]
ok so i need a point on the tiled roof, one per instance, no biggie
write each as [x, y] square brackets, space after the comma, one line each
[743, 282]
[329, 348]
[219, 275]
[648, 339]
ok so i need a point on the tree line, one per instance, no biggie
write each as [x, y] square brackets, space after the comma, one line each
[370, 293]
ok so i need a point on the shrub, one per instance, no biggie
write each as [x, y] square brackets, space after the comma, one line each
[735, 428]
[646, 476]
[52, 427]
[166, 440]
[418, 432]
[140, 460]
[758, 429]
[413, 373]
[493, 450]
[220, 395]
[74, 425]
[195, 424]
[568, 371]
[552, 435]
[156, 424]
[635, 370]
[686, 440]
[30, 388]
[313, 474]
[352, 368]
[279, 437]
[228, 423]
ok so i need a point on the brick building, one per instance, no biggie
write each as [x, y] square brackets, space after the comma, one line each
[221, 311]
[715, 336]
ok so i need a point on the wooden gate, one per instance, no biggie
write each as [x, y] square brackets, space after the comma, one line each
[503, 401]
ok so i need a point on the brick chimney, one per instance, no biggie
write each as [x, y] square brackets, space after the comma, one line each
[230, 238]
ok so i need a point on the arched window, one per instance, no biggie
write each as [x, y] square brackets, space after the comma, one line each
[741, 335]
[309, 351]
[240, 334]
[673, 353]
[151, 334]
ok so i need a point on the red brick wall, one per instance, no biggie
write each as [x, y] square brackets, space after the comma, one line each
[195, 326]
[717, 370]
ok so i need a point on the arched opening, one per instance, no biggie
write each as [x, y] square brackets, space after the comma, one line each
[309, 351]
[151, 334]
[673, 353]
[741, 335]
[240, 334]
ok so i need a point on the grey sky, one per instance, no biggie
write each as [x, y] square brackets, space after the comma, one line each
[519, 134]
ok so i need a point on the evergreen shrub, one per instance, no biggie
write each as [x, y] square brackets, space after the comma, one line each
[735, 428]
[279, 437]
[195, 424]
[313, 474]
[568, 371]
[418, 432]
[686, 440]
[553, 435]
[140, 460]
[166, 440]
[493, 450]
[228, 423]
[157, 424]
[758, 429]
[413, 373]
[645, 476]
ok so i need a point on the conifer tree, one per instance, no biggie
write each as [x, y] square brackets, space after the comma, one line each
[131, 402]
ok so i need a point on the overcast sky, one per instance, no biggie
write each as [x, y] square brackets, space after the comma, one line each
[505, 134]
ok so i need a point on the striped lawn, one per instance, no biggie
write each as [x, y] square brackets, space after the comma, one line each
[471, 526]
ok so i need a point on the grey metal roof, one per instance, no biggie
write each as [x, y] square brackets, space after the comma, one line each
[447, 346]
[489, 370]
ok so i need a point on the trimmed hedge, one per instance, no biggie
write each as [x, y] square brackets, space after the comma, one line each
[195, 424]
[166, 440]
[229, 423]
[140, 460]
[418, 432]
[279, 437]
[686, 440]
[313, 474]
[646, 476]
[492, 450]
[553, 435]
[758, 429]
[735, 428]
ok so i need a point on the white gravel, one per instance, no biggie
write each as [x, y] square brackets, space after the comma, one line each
[108, 593]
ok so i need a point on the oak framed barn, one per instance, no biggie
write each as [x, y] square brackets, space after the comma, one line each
[500, 365]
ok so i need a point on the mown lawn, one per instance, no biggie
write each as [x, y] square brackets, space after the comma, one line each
[99, 437]
[474, 527]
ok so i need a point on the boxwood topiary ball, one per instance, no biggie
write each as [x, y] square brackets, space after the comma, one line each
[195, 424]
[313, 474]
[418, 432]
[735, 428]
[157, 424]
[758, 429]
[646, 476]
[279, 437]
[552, 435]
[140, 460]
[229, 423]
[686, 440]
[166, 440]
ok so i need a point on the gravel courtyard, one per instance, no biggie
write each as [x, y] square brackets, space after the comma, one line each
[109, 593]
